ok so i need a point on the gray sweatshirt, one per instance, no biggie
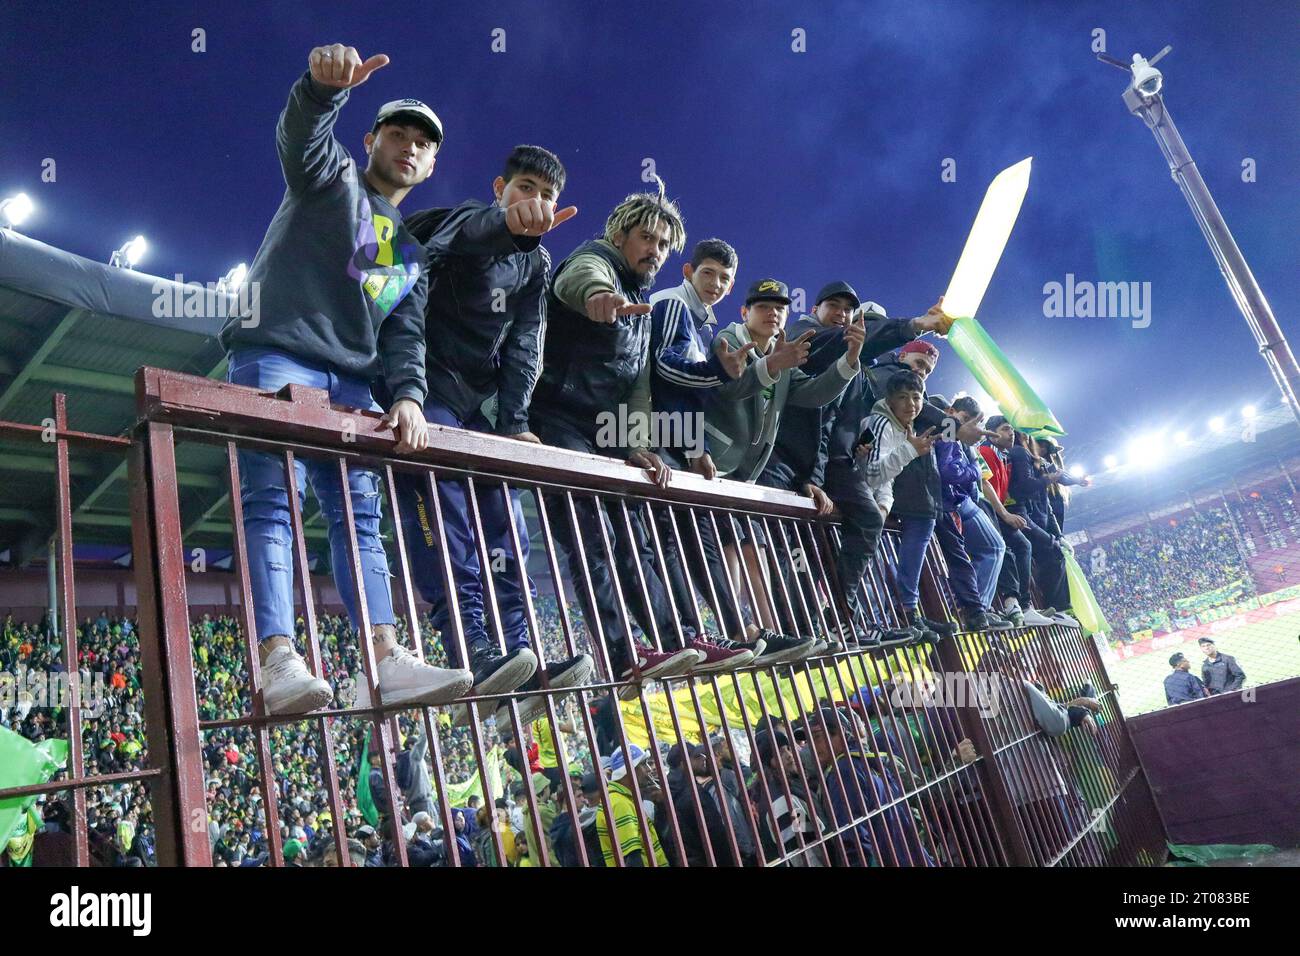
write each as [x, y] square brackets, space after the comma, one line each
[341, 282]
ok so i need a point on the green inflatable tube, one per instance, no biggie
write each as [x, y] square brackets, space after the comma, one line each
[993, 370]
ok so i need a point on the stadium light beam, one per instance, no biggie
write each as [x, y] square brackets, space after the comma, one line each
[16, 209]
[1216, 423]
[1248, 412]
[130, 253]
[1078, 470]
[988, 237]
[1144, 100]
[1111, 462]
[1182, 439]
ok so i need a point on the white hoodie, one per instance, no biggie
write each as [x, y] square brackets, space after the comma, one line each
[889, 453]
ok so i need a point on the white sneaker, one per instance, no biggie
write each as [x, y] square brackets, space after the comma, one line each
[288, 687]
[1034, 618]
[405, 679]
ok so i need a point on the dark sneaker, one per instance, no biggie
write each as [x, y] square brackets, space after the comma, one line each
[718, 658]
[976, 620]
[781, 649]
[755, 647]
[573, 672]
[921, 628]
[942, 628]
[1013, 615]
[497, 673]
[877, 635]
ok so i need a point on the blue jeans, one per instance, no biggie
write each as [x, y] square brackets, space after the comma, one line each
[264, 492]
[458, 529]
[985, 546]
[911, 557]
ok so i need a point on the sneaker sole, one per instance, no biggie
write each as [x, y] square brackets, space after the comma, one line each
[510, 675]
[315, 695]
[534, 707]
[453, 690]
[787, 656]
[743, 659]
[577, 675]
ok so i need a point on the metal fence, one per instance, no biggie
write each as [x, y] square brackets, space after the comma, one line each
[915, 756]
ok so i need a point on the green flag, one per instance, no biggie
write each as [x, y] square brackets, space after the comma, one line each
[997, 376]
[1082, 601]
[365, 800]
[22, 764]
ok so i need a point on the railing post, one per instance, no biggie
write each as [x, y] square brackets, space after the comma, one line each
[171, 708]
[1002, 807]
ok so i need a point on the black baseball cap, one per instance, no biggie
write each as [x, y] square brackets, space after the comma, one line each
[837, 288]
[768, 290]
[675, 756]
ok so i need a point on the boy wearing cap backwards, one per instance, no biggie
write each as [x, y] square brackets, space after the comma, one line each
[485, 323]
[342, 290]
[627, 815]
[814, 447]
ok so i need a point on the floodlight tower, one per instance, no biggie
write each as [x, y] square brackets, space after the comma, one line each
[1144, 101]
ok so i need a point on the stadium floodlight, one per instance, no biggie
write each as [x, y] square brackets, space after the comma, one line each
[1248, 412]
[233, 279]
[1078, 470]
[1216, 423]
[1111, 462]
[131, 253]
[1144, 98]
[1182, 439]
[15, 209]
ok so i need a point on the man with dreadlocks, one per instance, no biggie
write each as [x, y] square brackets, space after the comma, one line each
[596, 369]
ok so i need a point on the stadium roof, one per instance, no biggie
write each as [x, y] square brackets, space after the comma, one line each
[71, 325]
[1200, 469]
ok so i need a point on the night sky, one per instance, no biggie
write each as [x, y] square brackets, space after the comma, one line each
[816, 166]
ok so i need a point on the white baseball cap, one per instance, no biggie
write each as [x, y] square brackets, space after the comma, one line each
[416, 110]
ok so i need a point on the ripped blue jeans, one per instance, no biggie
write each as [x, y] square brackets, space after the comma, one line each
[264, 493]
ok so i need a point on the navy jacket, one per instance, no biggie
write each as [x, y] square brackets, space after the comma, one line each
[1182, 687]
[959, 473]
[681, 340]
[486, 313]
[1223, 674]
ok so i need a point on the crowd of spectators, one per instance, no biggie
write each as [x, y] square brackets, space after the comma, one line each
[1142, 573]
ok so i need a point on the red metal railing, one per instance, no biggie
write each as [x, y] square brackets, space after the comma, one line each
[935, 781]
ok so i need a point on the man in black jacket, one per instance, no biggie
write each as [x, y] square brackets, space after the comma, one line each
[1220, 672]
[596, 374]
[486, 320]
[814, 446]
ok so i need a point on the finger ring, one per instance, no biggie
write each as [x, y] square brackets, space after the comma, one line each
[327, 56]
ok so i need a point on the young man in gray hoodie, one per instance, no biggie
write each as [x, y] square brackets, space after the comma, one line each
[342, 288]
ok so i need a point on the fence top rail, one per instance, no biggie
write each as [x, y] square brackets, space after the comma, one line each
[45, 434]
[298, 415]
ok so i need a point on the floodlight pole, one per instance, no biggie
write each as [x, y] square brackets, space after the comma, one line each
[1241, 282]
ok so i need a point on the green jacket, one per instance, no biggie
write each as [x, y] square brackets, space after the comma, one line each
[742, 416]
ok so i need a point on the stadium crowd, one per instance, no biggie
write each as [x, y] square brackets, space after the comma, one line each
[1146, 570]
[120, 825]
